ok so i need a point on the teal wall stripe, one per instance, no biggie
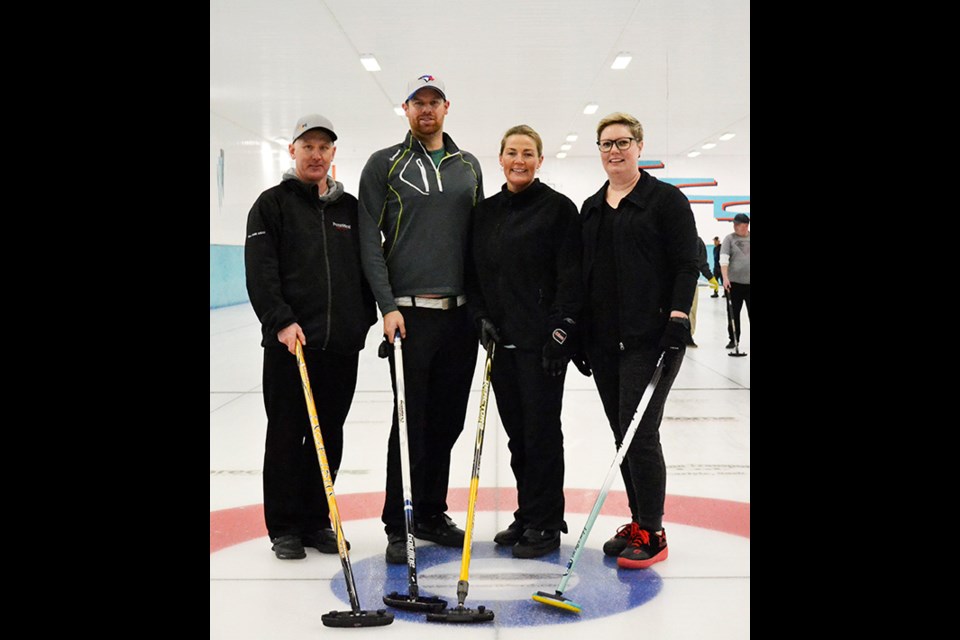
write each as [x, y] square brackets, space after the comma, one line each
[228, 282]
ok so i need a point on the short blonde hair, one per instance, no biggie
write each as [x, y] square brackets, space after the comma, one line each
[619, 117]
[522, 130]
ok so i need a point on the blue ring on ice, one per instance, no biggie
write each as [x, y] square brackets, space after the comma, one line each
[504, 584]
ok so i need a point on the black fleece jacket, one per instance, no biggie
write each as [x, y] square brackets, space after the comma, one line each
[302, 257]
[655, 252]
[525, 259]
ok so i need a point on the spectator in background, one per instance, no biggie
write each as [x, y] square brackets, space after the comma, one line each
[716, 266]
[704, 268]
[735, 265]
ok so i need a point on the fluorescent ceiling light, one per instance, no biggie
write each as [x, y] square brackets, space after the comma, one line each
[369, 62]
[561, 155]
[727, 136]
[572, 137]
[709, 145]
[621, 61]
[398, 110]
[693, 154]
[565, 147]
[591, 108]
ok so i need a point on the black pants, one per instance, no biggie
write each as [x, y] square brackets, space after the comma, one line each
[439, 358]
[529, 402]
[739, 294]
[294, 500]
[621, 379]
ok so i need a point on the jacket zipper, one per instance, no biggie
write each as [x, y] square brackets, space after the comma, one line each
[439, 179]
[326, 259]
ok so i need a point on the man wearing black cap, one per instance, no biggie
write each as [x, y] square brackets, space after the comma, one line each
[416, 199]
[735, 266]
[306, 285]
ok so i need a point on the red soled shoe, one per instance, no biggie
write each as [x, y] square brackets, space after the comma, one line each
[644, 549]
[615, 545]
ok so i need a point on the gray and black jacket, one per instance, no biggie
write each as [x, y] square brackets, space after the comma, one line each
[423, 214]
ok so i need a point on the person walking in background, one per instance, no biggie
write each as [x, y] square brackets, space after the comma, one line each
[639, 273]
[735, 265]
[526, 251]
[306, 285]
[716, 266]
[415, 203]
[704, 268]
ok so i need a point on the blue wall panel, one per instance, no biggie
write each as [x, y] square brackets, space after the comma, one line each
[228, 283]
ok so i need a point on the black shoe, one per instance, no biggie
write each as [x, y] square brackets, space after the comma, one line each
[396, 548]
[730, 345]
[692, 344]
[715, 295]
[615, 545]
[645, 548]
[509, 536]
[289, 548]
[533, 543]
[441, 530]
[324, 541]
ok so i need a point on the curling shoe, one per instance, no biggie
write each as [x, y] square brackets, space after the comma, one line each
[289, 547]
[396, 548]
[615, 545]
[645, 548]
[509, 536]
[324, 541]
[533, 543]
[441, 530]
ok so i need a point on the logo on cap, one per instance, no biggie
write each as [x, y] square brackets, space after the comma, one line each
[427, 78]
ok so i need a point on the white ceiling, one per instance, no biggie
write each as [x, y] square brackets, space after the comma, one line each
[504, 63]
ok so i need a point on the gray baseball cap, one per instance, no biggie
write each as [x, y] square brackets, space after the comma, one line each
[313, 121]
[425, 80]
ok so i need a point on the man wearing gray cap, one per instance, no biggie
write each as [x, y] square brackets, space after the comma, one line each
[416, 199]
[735, 266]
[306, 285]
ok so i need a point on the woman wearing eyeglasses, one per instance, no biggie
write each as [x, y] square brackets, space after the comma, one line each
[639, 275]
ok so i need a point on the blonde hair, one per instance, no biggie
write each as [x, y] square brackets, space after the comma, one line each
[619, 117]
[522, 130]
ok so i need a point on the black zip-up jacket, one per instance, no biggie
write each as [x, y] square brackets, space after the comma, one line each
[526, 251]
[302, 257]
[655, 252]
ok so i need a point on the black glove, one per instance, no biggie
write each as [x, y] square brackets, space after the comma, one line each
[556, 353]
[385, 348]
[581, 362]
[488, 333]
[676, 334]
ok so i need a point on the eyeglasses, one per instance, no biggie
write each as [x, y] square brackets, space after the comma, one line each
[622, 143]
